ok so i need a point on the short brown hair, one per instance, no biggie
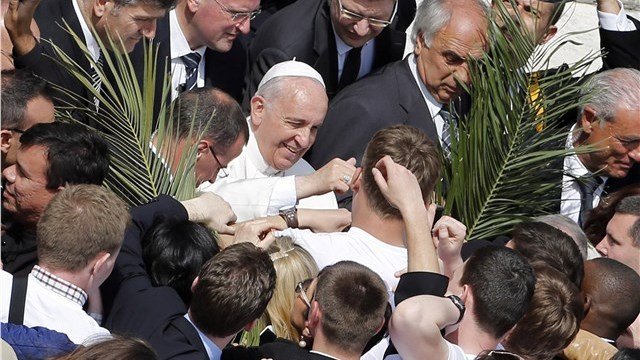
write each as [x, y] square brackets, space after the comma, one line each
[552, 319]
[353, 300]
[80, 222]
[114, 347]
[409, 147]
[234, 289]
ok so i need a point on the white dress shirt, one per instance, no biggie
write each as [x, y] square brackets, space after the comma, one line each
[618, 22]
[571, 198]
[433, 105]
[92, 44]
[180, 47]
[366, 56]
[255, 189]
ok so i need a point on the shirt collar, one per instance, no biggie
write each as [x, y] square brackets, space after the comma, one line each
[433, 105]
[179, 44]
[573, 166]
[59, 286]
[323, 354]
[213, 352]
[92, 44]
[341, 46]
[255, 156]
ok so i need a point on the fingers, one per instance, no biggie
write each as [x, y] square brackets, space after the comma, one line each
[226, 229]
[267, 241]
[399, 273]
[454, 228]
[355, 176]
[380, 180]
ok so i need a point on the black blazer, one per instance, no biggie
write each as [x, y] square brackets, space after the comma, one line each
[621, 47]
[303, 30]
[279, 349]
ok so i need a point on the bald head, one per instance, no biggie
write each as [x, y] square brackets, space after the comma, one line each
[610, 290]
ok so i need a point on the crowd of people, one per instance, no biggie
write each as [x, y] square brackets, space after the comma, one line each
[315, 233]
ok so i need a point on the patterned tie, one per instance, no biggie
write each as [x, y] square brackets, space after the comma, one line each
[351, 68]
[588, 186]
[96, 80]
[446, 130]
[191, 62]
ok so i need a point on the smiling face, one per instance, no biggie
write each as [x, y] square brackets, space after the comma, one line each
[444, 63]
[212, 24]
[285, 121]
[618, 243]
[618, 140]
[351, 24]
[126, 23]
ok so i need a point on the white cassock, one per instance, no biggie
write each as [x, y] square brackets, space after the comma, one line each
[254, 189]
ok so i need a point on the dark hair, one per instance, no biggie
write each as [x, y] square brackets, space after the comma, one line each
[18, 88]
[541, 242]
[552, 319]
[163, 4]
[627, 354]
[353, 300]
[75, 155]
[196, 109]
[497, 355]
[407, 146]
[613, 288]
[631, 206]
[115, 347]
[234, 288]
[502, 284]
[558, 9]
[174, 251]
[595, 227]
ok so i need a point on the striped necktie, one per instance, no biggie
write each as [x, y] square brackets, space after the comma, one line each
[588, 186]
[191, 62]
[446, 130]
[96, 79]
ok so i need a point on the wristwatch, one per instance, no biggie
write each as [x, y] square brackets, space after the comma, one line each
[290, 216]
[459, 304]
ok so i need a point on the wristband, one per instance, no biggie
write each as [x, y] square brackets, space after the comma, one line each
[459, 304]
[290, 216]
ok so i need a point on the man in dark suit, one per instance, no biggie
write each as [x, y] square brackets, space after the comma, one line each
[128, 21]
[411, 91]
[342, 39]
[230, 293]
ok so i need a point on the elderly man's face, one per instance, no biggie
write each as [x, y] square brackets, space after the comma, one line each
[127, 23]
[213, 24]
[26, 194]
[350, 23]
[618, 243]
[286, 123]
[532, 16]
[444, 63]
[617, 139]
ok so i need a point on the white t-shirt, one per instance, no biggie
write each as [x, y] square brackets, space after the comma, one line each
[455, 353]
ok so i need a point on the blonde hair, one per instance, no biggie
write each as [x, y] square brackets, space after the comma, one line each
[293, 264]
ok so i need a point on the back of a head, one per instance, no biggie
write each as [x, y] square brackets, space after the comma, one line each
[552, 319]
[75, 154]
[610, 90]
[502, 283]
[210, 110]
[595, 227]
[293, 264]
[18, 88]
[353, 300]
[569, 227]
[409, 147]
[612, 290]
[79, 223]
[163, 4]
[116, 347]
[627, 354]
[233, 289]
[174, 251]
[631, 206]
[539, 242]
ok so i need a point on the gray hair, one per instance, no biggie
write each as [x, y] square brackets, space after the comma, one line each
[569, 227]
[611, 90]
[433, 15]
[631, 206]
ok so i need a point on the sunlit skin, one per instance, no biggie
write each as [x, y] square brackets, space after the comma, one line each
[357, 33]
[442, 66]
[618, 242]
[206, 23]
[299, 308]
[207, 167]
[617, 139]
[532, 16]
[286, 125]
[25, 193]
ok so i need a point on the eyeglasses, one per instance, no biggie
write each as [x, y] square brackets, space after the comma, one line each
[238, 16]
[347, 14]
[301, 289]
[223, 169]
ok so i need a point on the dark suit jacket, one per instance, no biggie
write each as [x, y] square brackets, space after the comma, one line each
[621, 47]
[224, 71]
[279, 349]
[303, 30]
[139, 309]
[51, 16]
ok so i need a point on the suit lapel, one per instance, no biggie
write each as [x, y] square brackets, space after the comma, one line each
[411, 101]
[190, 333]
[324, 45]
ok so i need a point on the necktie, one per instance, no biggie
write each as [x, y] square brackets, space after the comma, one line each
[588, 186]
[535, 100]
[96, 80]
[351, 68]
[191, 62]
[446, 130]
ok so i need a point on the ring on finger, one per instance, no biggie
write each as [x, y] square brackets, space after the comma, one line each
[346, 179]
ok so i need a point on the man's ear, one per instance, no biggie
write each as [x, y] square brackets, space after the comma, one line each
[315, 315]
[419, 46]
[98, 268]
[587, 304]
[357, 182]
[250, 325]
[6, 138]
[257, 110]
[195, 283]
[193, 5]
[202, 146]
[588, 119]
[100, 7]
[549, 34]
